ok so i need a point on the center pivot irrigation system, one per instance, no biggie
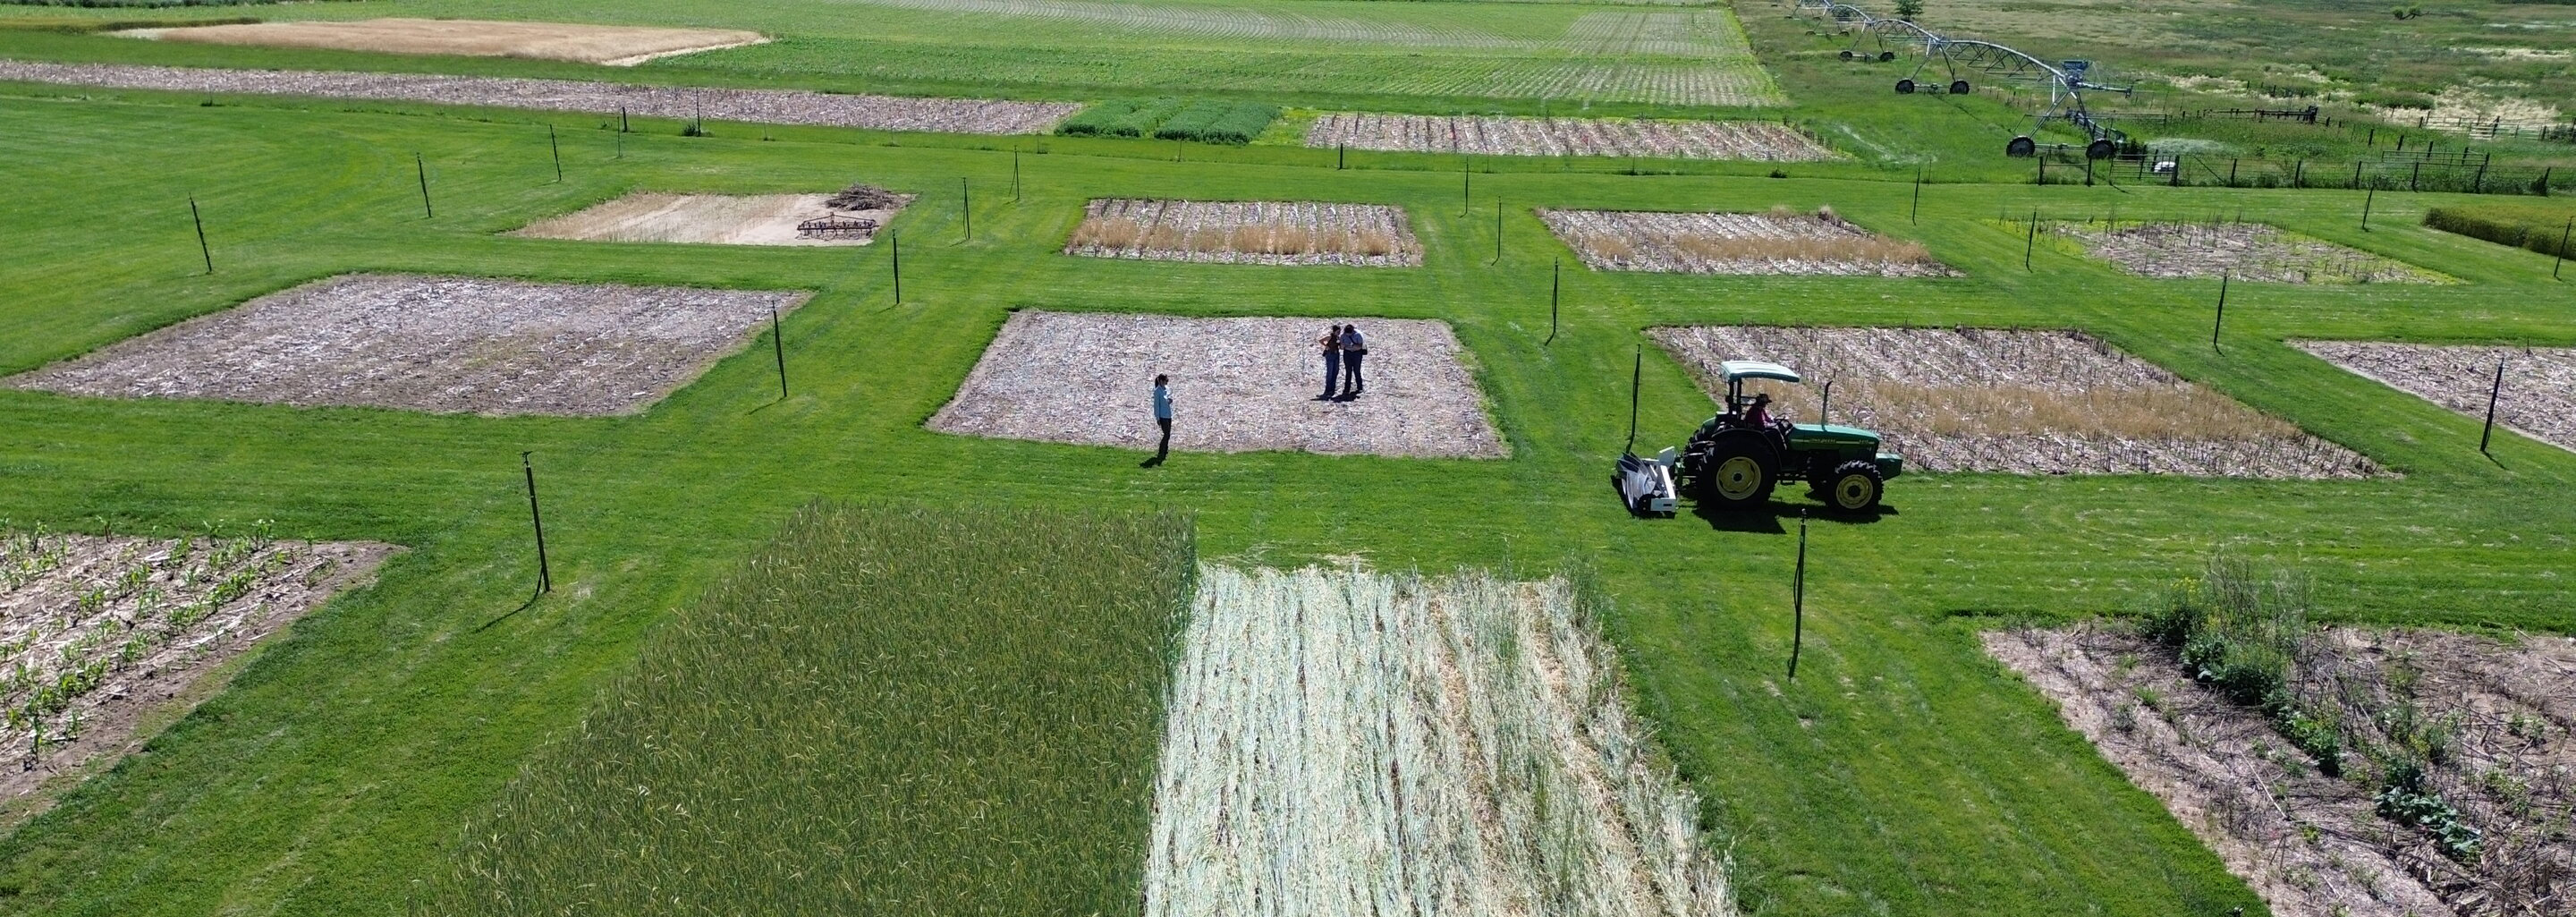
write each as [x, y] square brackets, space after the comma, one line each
[2065, 79]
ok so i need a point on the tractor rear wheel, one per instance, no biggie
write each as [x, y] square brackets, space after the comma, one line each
[1855, 486]
[1737, 471]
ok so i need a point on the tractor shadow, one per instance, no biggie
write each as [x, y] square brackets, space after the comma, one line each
[1779, 517]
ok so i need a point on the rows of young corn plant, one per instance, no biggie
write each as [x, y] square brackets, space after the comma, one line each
[884, 711]
[1344, 743]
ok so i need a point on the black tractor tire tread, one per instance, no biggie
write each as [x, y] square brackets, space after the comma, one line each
[1832, 486]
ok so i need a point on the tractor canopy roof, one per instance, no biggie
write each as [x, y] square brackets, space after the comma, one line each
[1756, 369]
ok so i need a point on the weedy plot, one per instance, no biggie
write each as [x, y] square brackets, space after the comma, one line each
[2364, 774]
[883, 712]
[1516, 136]
[718, 219]
[1238, 385]
[773, 106]
[1247, 232]
[616, 46]
[443, 344]
[1345, 744]
[2029, 402]
[2538, 398]
[2244, 251]
[1778, 242]
[98, 633]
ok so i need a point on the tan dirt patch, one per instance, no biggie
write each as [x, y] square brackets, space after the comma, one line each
[714, 219]
[1238, 385]
[1247, 232]
[2538, 398]
[1779, 242]
[614, 45]
[103, 639]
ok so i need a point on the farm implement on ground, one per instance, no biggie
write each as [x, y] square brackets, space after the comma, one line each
[1735, 459]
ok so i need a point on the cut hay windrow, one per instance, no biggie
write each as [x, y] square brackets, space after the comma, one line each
[1347, 744]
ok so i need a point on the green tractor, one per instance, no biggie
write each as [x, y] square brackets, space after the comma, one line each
[1736, 458]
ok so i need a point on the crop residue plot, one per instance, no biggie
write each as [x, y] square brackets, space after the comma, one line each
[442, 344]
[616, 46]
[1238, 385]
[2019, 401]
[2244, 251]
[1778, 242]
[99, 633]
[1343, 744]
[1498, 135]
[1247, 232]
[2538, 397]
[719, 219]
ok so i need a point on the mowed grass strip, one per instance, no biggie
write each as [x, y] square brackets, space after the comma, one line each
[883, 711]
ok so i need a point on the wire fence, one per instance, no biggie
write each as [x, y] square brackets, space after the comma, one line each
[2470, 172]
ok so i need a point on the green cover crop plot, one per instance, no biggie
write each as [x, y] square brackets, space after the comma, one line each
[1205, 120]
[883, 711]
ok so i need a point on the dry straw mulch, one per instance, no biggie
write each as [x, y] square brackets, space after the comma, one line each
[613, 45]
[2244, 251]
[99, 633]
[772, 106]
[444, 344]
[1348, 744]
[2315, 845]
[1247, 232]
[2538, 398]
[1778, 242]
[714, 219]
[1517, 136]
[1238, 385]
[2030, 402]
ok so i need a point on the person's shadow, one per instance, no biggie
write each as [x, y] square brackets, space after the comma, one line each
[1154, 462]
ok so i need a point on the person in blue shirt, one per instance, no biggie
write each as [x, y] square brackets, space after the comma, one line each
[1354, 347]
[1332, 344]
[1162, 418]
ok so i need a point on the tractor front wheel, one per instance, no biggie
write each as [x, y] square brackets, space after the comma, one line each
[1738, 471]
[1855, 487]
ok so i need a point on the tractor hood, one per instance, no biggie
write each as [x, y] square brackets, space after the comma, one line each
[1829, 436]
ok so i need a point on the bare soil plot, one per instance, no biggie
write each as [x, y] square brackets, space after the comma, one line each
[2316, 845]
[443, 344]
[1247, 232]
[717, 219]
[1516, 136]
[1345, 744]
[1778, 242]
[104, 638]
[772, 106]
[2538, 399]
[2029, 402]
[614, 45]
[1238, 385]
[2244, 251]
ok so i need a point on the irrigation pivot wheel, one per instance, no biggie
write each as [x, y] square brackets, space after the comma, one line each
[1885, 56]
[1847, 54]
[2100, 149]
[1905, 87]
[1855, 487]
[1958, 87]
[2021, 147]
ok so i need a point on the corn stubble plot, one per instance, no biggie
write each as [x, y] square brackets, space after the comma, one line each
[2244, 251]
[2027, 402]
[98, 632]
[883, 712]
[1247, 232]
[1345, 744]
[2538, 398]
[1778, 242]
[1498, 135]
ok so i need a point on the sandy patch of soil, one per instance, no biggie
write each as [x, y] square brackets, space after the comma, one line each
[1346, 744]
[443, 344]
[2316, 845]
[614, 45]
[771, 106]
[1247, 232]
[2027, 402]
[715, 219]
[1238, 385]
[101, 637]
[2244, 251]
[2458, 108]
[1515, 136]
[2538, 399]
[1779, 242]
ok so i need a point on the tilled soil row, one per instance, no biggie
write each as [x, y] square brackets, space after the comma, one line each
[2244, 251]
[1736, 243]
[2537, 398]
[1515, 136]
[1247, 232]
[771, 106]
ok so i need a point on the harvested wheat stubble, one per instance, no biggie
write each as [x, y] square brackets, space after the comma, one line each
[717, 219]
[1778, 242]
[1238, 385]
[2314, 845]
[1345, 744]
[2539, 395]
[2029, 402]
[614, 45]
[1516, 136]
[99, 634]
[1247, 232]
[443, 344]
[2244, 251]
[773, 106]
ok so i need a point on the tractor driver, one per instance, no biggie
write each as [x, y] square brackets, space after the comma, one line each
[1759, 416]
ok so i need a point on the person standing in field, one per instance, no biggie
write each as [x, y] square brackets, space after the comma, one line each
[1354, 347]
[1162, 418]
[1332, 344]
